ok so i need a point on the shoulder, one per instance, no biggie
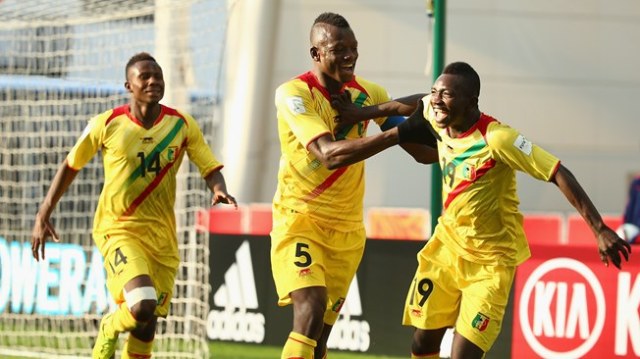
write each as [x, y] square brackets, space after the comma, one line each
[494, 131]
[293, 87]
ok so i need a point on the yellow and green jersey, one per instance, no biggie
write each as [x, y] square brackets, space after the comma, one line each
[304, 184]
[140, 167]
[481, 221]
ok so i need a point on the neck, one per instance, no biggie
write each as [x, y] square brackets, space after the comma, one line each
[147, 113]
[469, 120]
[327, 82]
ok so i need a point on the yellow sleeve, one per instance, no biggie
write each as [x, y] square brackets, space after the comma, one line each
[511, 147]
[89, 142]
[199, 152]
[295, 108]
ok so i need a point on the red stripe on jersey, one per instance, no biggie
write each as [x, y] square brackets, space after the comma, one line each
[156, 181]
[172, 112]
[481, 125]
[489, 164]
[117, 112]
[312, 81]
[326, 184]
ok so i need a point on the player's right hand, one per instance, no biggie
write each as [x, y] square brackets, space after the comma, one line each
[348, 113]
[41, 230]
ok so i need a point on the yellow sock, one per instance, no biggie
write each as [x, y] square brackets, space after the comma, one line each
[298, 347]
[425, 356]
[120, 321]
[135, 348]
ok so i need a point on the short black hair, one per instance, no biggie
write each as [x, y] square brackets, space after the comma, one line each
[331, 18]
[465, 70]
[140, 56]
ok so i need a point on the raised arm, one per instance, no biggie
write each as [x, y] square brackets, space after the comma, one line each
[350, 113]
[42, 228]
[610, 246]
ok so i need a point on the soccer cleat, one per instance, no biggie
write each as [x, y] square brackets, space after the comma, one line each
[105, 346]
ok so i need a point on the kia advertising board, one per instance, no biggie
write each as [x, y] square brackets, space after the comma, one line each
[569, 305]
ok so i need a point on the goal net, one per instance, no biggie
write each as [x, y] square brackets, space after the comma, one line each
[61, 62]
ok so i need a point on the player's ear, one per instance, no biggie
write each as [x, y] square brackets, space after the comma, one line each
[315, 53]
[127, 86]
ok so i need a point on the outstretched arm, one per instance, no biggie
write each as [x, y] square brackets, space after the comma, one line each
[610, 246]
[350, 113]
[42, 228]
[215, 182]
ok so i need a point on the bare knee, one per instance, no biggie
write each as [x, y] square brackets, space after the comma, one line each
[309, 305]
[427, 341]
[147, 332]
[144, 310]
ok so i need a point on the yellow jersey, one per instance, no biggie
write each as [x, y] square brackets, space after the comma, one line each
[481, 221]
[140, 167]
[304, 185]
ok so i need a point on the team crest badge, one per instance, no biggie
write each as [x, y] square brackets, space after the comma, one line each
[480, 322]
[171, 153]
[338, 305]
[469, 172]
[162, 298]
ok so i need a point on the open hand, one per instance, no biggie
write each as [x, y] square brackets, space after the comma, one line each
[612, 248]
[41, 230]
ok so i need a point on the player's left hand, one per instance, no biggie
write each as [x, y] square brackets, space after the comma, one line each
[348, 112]
[223, 197]
[612, 248]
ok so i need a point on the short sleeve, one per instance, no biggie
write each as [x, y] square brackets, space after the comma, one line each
[512, 148]
[89, 142]
[199, 152]
[295, 107]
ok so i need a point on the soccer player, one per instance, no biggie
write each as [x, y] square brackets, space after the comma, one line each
[318, 231]
[143, 144]
[466, 269]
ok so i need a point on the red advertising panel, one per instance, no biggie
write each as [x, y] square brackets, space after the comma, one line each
[567, 304]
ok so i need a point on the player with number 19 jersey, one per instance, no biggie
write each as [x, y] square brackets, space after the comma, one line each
[480, 220]
[140, 174]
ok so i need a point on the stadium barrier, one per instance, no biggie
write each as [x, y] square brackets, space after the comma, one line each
[564, 303]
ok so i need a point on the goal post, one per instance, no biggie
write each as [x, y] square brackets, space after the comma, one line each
[61, 62]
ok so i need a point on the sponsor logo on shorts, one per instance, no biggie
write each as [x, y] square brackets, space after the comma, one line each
[304, 272]
[416, 313]
[480, 322]
[237, 295]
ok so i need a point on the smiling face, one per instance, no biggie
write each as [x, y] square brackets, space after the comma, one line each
[452, 101]
[334, 51]
[145, 82]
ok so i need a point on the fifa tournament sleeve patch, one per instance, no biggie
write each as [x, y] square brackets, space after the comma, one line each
[296, 105]
[523, 145]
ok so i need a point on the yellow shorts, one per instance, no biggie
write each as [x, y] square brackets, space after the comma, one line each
[449, 291]
[126, 260]
[306, 253]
